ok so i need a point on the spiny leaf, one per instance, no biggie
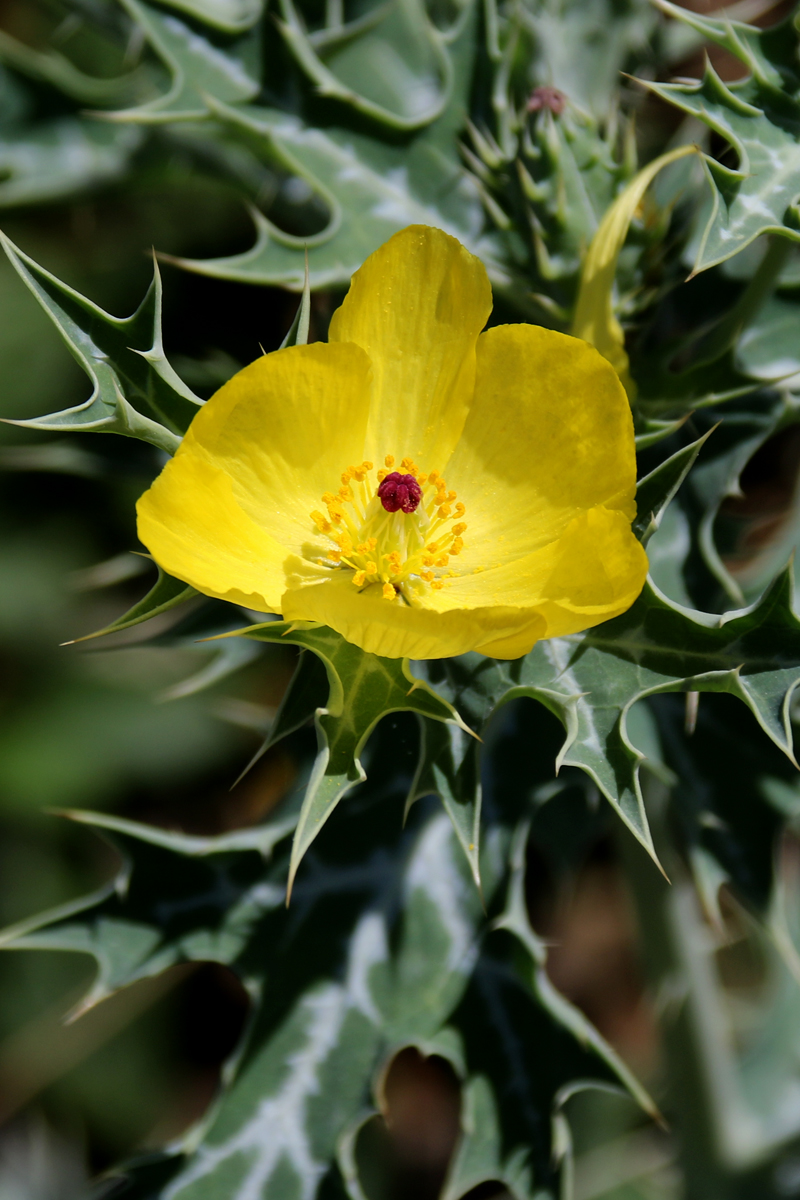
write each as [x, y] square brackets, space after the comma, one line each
[380, 949]
[231, 16]
[760, 118]
[591, 681]
[165, 594]
[52, 159]
[526, 1048]
[650, 430]
[136, 391]
[654, 492]
[370, 188]
[297, 334]
[223, 65]
[391, 64]
[448, 767]
[580, 47]
[726, 769]
[177, 899]
[745, 427]
[350, 973]
[362, 689]
[53, 68]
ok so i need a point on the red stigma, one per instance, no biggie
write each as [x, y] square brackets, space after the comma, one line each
[399, 492]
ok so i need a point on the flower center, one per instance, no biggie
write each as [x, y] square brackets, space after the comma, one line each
[399, 492]
[400, 534]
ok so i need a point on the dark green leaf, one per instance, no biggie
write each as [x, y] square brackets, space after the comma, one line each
[362, 689]
[592, 680]
[448, 768]
[136, 391]
[654, 492]
[760, 118]
[391, 64]
[165, 594]
[221, 65]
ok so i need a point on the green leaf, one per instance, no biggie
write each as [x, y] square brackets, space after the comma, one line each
[52, 159]
[448, 768]
[223, 65]
[135, 390]
[651, 431]
[165, 594]
[654, 492]
[746, 426]
[53, 68]
[370, 188]
[231, 16]
[726, 771]
[527, 1049]
[385, 946]
[770, 346]
[760, 118]
[362, 689]
[350, 973]
[591, 681]
[297, 334]
[177, 899]
[580, 47]
[391, 64]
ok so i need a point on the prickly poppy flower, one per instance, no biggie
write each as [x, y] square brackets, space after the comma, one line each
[419, 486]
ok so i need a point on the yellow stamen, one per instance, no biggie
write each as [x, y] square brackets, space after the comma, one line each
[391, 548]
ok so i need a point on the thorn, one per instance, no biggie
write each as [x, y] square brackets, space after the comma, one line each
[692, 706]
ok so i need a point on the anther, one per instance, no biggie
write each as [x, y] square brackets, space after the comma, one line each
[360, 578]
[389, 460]
[389, 592]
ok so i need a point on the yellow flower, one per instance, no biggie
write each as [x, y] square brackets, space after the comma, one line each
[419, 486]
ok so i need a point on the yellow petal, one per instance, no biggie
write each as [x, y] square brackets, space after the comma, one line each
[395, 630]
[416, 307]
[194, 529]
[549, 436]
[592, 573]
[253, 465]
[594, 319]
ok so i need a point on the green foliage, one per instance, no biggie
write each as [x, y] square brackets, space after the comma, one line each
[362, 689]
[758, 117]
[340, 983]
[409, 927]
[135, 392]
